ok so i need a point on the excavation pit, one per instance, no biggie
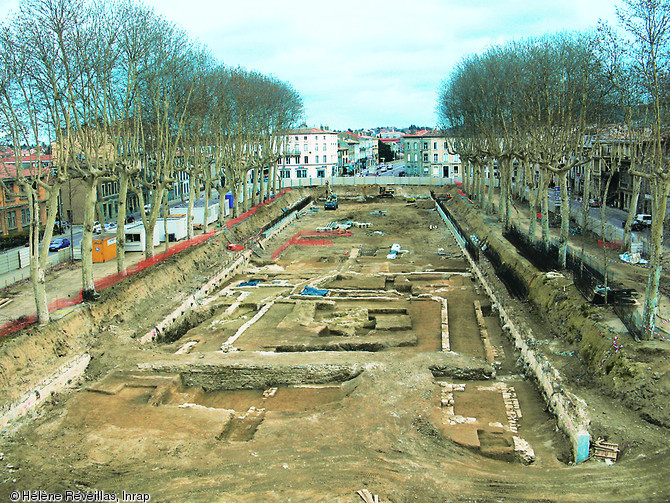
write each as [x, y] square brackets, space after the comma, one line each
[163, 402]
[345, 324]
[495, 418]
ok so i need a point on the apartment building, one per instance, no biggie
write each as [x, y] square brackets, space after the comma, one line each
[428, 153]
[309, 153]
[611, 158]
[14, 207]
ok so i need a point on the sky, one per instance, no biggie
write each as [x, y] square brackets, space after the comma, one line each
[372, 63]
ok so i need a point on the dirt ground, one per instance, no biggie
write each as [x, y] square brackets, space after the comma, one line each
[277, 396]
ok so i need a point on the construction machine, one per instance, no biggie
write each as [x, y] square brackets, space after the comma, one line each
[386, 191]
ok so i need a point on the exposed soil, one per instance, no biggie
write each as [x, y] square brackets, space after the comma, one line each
[269, 395]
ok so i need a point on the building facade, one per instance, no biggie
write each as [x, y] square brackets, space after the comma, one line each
[430, 154]
[362, 152]
[309, 153]
[14, 207]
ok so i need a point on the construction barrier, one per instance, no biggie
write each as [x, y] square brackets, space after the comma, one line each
[234, 221]
[107, 281]
[304, 238]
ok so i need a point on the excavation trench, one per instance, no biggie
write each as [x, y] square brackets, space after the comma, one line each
[322, 371]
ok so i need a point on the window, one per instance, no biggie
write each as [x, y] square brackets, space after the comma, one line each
[435, 158]
[288, 160]
[446, 157]
[11, 220]
[415, 145]
[316, 159]
[306, 148]
[285, 173]
[305, 138]
[324, 147]
[434, 145]
[425, 145]
[446, 145]
[425, 157]
[301, 173]
[316, 148]
[306, 159]
[333, 171]
[25, 217]
[454, 169]
[297, 159]
[456, 158]
[321, 173]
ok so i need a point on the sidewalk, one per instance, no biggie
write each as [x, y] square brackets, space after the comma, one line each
[628, 275]
[63, 281]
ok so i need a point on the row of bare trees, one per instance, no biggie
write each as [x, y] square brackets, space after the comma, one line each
[542, 107]
[123, 95]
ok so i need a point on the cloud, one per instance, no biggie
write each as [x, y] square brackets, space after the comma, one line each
[370, 63]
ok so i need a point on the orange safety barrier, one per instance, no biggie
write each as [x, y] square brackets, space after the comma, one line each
[609, 245]
[107, 281]
[304, 238]
[234, 221]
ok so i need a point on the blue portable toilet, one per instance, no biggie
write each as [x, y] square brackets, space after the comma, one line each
[229, 199]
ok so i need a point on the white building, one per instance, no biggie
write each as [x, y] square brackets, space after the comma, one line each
[308, 153]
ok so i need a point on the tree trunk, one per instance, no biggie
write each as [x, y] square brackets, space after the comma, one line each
[544, 184]
[565, 220]
[491, 188]
[88, 287]
[261, 184]
[272, 173]
[533, 200]
[124, 179]
[632, 211]
[37, 275]
[156, 202]
[189, 211]
[254, 189]
[205, 211]
[237, 205]
[222, 205]
[165, 220]
[660, 190]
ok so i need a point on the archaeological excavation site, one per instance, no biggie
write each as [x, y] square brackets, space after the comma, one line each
[365, 353]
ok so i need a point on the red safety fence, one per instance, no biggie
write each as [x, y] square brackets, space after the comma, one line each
[234, 221]
[305, 238]
[107, 281]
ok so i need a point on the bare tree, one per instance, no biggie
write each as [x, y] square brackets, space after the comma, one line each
[647, 23]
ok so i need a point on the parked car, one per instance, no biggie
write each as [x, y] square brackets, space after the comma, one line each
[58, 243]
[642, 221]
[97, 228]
[61, 226]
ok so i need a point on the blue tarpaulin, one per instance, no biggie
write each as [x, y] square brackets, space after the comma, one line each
[314, 292]
[253, 282]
